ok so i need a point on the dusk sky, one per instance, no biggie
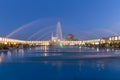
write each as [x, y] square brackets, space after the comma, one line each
[86, 19]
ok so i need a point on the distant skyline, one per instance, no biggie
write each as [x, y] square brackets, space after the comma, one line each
[86, 19]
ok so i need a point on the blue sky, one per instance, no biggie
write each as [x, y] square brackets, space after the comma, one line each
[86, 19]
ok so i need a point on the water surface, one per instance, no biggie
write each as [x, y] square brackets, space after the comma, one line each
[33, 64]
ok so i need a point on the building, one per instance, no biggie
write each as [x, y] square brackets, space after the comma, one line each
[95, 41]
[114, 38]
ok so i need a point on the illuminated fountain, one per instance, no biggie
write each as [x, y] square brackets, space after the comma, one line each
[59, 31]
[58, 38]
[32, 30]
[22, 28]
[39, 32]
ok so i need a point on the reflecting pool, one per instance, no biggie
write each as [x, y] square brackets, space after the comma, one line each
[50, 63]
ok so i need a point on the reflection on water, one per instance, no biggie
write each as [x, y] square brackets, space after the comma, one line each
[0, 59]
[53, 52]
[98, 50]
[46, 53]
[35, 64]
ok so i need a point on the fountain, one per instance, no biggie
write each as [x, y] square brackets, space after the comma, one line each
[57, 39]
[38, 32]
[22, 28]
[23, 32]
[59, 31]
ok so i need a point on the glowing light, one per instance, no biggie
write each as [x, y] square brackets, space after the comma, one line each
[14, 43]
[96, 43]
[54, 40]
[5, 42]
[45, 54]
[61, 46]
[116, 38]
